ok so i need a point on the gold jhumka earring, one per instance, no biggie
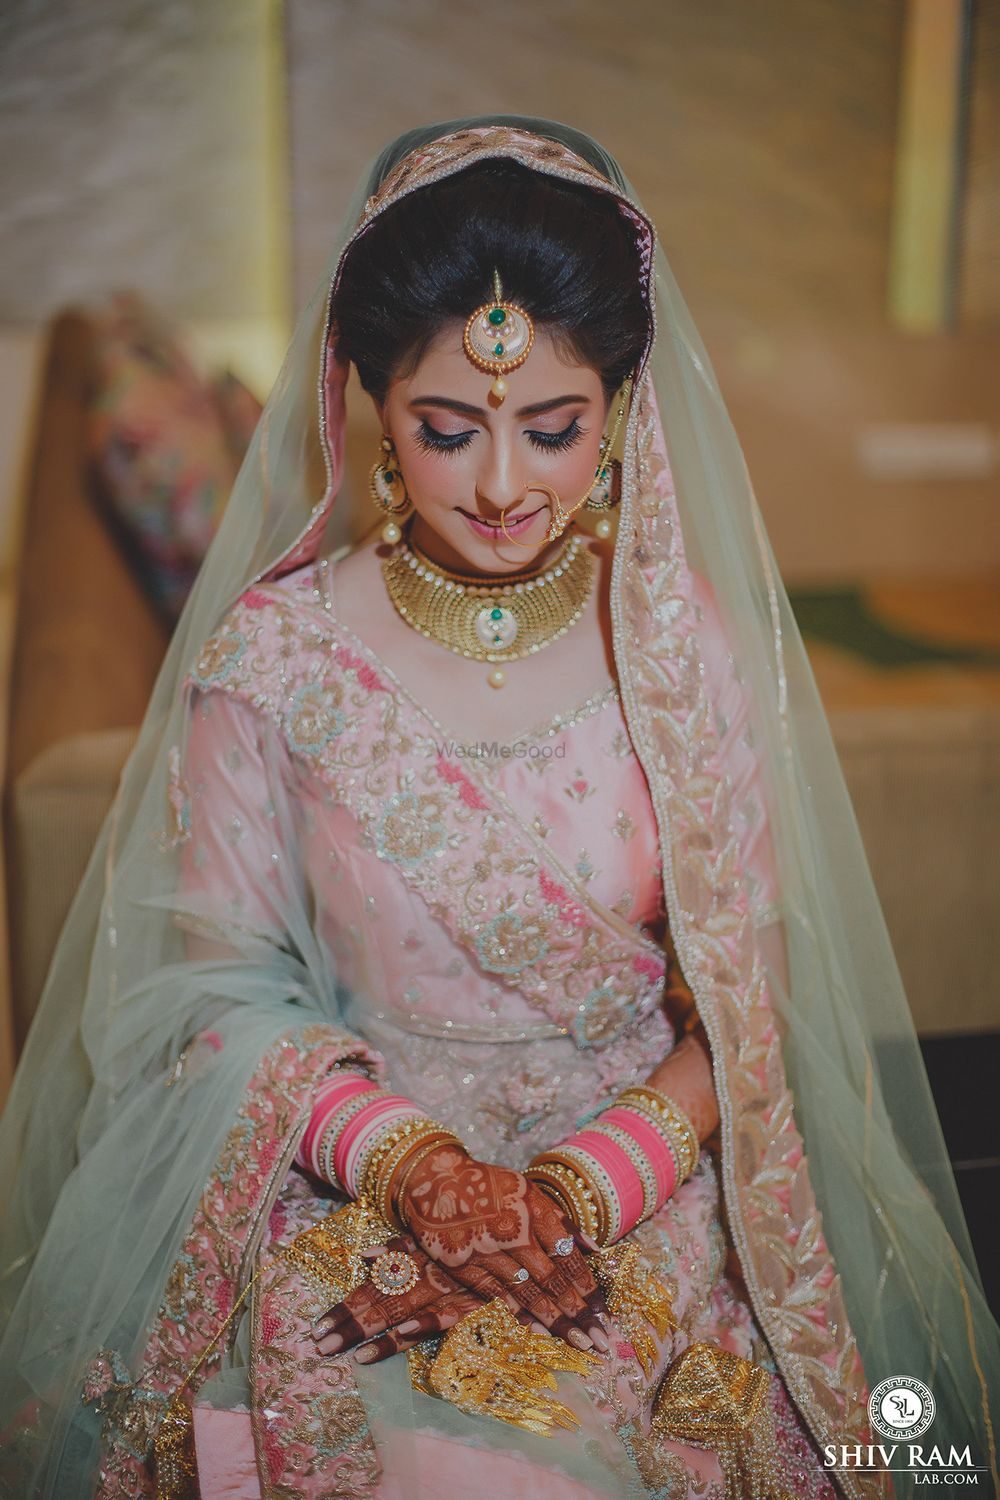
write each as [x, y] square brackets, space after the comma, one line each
[385, 482]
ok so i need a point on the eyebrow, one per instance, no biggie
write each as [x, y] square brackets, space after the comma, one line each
[537, 409]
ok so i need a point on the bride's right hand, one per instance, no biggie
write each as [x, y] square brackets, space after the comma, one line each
[389, 1323]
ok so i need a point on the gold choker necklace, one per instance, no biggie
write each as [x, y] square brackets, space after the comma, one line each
[490, 621]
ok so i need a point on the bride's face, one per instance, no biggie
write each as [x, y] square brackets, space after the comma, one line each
[465, 458]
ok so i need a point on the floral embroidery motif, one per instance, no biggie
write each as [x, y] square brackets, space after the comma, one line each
[508, 943]
[220, 656]
[623, 827]
[410, 829]
[602, 1016]
[130, 1412]
[579, 788]
[314, 719]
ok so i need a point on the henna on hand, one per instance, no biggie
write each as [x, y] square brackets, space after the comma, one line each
[456, 1206]
[486, 1224]
[367, 1311]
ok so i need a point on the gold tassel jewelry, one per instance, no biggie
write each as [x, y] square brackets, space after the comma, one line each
[637, 1300]
[720, 1401]
[495, 622]
[491, 1365]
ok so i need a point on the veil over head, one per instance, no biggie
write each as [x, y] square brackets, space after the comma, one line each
[839, 1198]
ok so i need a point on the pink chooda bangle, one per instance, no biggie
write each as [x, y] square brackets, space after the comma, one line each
[333, 1094]
[652, 1145]
[628, 1161]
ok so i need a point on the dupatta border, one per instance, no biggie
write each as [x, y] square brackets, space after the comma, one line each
[771, 1206]
[214, 1260]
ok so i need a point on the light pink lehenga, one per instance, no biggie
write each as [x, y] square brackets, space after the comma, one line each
[413, 895]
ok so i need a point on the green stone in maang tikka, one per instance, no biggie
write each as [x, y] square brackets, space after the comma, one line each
[497, 316]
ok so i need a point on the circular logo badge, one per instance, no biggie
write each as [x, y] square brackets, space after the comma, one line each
[901, 1407]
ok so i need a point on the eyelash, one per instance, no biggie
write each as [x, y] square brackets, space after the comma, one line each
[433, 441]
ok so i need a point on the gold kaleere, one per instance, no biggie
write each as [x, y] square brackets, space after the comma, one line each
[491, 1365]
[173, 1452]
[637, 1300]
[329, 1254]
[720, 1401]
[420, 1360]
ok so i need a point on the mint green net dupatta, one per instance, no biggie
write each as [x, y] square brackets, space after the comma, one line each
[839, 1196]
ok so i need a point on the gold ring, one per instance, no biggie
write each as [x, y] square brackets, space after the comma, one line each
[394, 1272]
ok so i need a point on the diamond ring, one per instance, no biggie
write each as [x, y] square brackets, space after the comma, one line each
[521, 1274]
[394, 1272]
[564, 1246]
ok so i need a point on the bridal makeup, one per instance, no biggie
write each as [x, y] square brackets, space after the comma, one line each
[465, 456]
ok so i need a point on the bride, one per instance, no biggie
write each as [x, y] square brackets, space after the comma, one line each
[475, 1057]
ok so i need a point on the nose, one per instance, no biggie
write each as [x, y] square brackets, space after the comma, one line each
[499, 482]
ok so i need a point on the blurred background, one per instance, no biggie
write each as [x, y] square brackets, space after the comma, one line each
[825, 179]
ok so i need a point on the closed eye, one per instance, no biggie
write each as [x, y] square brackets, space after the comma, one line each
[433, 441]
[556, 442]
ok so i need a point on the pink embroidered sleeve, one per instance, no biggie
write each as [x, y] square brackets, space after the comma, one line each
[235, 866]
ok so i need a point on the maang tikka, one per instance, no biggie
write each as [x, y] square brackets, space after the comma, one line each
[498, 338]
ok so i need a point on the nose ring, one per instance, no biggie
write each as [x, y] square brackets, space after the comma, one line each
[558, 516]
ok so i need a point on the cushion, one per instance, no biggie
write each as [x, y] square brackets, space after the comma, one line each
[166, 445]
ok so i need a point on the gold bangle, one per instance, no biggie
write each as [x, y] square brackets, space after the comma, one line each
[422, 1149]
[592, 1212]
[370, 1182]
[665, 1113]
[569, 1196]
[431, 1136]
[387, 1165]
[367, 1173]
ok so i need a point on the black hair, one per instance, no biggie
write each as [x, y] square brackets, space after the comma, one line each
[564, 252]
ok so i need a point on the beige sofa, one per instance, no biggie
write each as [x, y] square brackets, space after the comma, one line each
[84, 647]
[76, 694]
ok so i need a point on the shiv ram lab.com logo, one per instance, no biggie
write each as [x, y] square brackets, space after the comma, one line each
[901, 1407]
